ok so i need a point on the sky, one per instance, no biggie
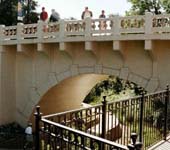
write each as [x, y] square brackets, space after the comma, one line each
[74, 8]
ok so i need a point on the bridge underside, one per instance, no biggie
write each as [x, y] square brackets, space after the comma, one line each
[68, 94]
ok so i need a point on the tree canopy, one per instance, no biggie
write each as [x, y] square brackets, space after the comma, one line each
[114, 88]
[9, 12]
[154, 6]
[30, 16]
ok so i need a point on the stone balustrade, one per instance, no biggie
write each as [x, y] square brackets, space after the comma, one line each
[146, 27]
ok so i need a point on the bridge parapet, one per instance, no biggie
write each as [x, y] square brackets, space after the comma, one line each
[144, 27]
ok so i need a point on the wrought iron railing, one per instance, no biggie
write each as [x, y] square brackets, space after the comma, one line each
[53, 136]
[115, 121]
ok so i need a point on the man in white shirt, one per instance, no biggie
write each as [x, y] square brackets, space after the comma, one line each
[86, 13]
[29, 136]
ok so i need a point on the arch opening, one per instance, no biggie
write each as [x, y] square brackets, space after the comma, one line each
[71, 92]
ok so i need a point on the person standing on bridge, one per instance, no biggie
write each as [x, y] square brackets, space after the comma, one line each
[86, 13]
[54, 16]
[44, 18]
[102, 23]
[102, 14]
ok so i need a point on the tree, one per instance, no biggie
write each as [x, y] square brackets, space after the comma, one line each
[154, 6]
[166, 5]
[112, 86]
[140, 7]
[8, 12]
[30, 16]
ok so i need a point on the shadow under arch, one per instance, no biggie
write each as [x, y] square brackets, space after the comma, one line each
[68, 94]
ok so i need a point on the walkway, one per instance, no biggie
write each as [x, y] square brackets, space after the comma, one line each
[162, 145]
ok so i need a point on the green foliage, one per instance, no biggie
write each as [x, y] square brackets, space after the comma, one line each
[114, 88]
[154, 6]
[29, 10]
[8, 12]
[166, 5]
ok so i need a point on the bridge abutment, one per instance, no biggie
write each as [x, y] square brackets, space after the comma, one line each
[7, 84]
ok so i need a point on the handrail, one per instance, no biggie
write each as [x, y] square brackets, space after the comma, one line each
[86, 135]
[88, 29]
[70, 111]
[94, 106]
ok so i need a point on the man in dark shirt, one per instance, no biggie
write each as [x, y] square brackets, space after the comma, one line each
[102, 23]
[102, 14]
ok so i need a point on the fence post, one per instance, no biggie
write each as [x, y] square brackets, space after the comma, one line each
[37, 115]
[40, 31]
[104, 102]
[116, 25]
[148, 22]
[19, 31]
[88, 25]
[134, 145]
[166, 111]
[141, 118]
[61, 29]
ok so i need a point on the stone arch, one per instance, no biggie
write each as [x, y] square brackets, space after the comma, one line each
[54, 79]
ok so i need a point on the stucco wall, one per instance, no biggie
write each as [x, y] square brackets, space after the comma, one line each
[30, 73]
[7, 86]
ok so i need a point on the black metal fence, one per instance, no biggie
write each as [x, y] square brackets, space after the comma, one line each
[54, 136]
[147, 115]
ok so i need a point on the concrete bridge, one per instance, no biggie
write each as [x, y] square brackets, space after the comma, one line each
[57, 68]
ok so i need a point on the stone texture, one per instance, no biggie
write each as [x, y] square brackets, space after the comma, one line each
[98, 69]
[86, 70]
[74, 70]
[124, 72]
[152, 85]
[63, 75]
[52, 79]
[24, 80]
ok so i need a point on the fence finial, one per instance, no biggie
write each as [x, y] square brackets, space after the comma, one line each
[37, 115]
